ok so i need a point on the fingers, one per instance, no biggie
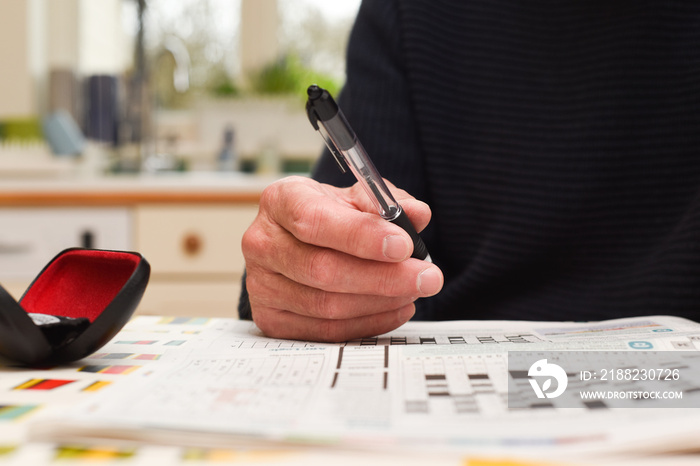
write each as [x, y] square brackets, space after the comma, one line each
[333, 271]
[283, 324]
[340, 219]
[269, 290]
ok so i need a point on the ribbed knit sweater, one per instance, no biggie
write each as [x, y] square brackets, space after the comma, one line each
[557, 143]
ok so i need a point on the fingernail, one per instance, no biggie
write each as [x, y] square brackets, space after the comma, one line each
[396, 247]
[430, 281]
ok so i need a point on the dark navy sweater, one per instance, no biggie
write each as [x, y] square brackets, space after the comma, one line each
[557, 143]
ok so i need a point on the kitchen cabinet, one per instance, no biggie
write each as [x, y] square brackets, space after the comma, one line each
[30, 237]
[188, 229]
[195, 256]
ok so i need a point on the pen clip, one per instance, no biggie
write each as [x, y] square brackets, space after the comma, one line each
[337, 155]
[318, 126]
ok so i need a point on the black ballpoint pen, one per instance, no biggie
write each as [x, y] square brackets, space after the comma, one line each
[327, 118]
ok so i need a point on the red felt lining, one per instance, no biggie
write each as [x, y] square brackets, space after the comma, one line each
[80, 283]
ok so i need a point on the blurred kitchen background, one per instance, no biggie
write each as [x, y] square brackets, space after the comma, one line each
[154, 125]
[158, 85]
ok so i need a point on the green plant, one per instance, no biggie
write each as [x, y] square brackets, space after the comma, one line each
[220, 84]
[289, 76]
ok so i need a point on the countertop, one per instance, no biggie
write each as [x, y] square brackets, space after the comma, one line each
[187, 187]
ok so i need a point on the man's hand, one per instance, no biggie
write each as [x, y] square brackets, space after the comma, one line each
[322, 265]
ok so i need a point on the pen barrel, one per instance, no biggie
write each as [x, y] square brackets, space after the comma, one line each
[327, 118]
[420, 251]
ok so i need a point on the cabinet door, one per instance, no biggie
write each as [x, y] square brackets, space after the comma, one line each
[195, 256]
[31, 237]
[188, 239]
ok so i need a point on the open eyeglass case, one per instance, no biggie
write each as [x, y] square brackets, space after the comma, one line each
[76, 304]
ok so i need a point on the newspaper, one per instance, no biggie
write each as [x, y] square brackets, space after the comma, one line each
[427, 386]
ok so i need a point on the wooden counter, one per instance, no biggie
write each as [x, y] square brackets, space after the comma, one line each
[210, 188]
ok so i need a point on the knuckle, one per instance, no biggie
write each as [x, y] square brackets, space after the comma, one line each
[306, 218]
[264, 322]
[356, 237]
[254, 284]
[319, 305]
[321, 269]
[386, 281]
[278, 195]
[250, 240]
[270, 196]
[254, 242]
[328, 306]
